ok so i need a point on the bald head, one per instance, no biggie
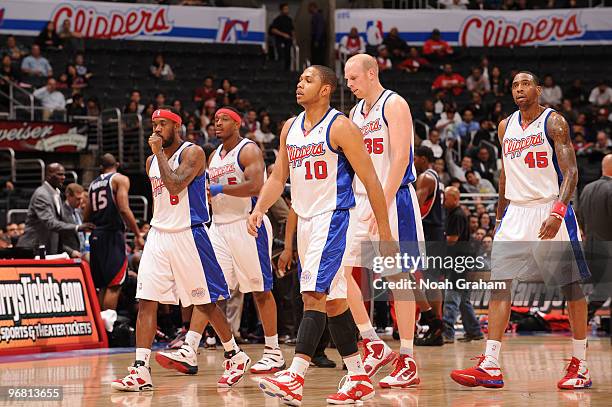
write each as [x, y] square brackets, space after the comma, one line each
[108, 161]
[363, 61]
[55, 174]
[606, 165]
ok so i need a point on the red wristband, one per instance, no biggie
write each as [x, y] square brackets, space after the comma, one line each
[559, 208]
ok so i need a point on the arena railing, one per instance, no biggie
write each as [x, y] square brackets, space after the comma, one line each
[16, 216]
[30, 172]
[8, 165]
[15, 104]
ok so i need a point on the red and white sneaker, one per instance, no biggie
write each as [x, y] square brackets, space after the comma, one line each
[352, 389]
[286, 385]
[376, 354]
[486, 373]
[272, 361]
[139, 379]
[235, 368]
[404, 375]
[577, 376]
[184, 360]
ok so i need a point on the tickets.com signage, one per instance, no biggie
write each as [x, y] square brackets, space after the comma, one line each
[136, 21]
[475, 28]
[48, 305]
[41, 136]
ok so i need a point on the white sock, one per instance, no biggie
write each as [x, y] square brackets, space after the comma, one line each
[354, 365]
[193, 340]
[367, 331]
[406, 346]
[493, 348]
[299, 366]
[272, 341]
[579, 346]
[143, 354]
[231, 345]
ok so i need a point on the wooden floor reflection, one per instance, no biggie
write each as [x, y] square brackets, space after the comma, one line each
[531, 366]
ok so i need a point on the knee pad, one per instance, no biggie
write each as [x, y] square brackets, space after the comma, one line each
[342, 329]
[310, 331]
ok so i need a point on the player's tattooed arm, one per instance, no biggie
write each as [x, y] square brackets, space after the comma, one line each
[192, 165]
[558, 129]
[502, 202]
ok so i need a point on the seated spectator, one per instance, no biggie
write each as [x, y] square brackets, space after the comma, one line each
[602, 123]
[70, 39]
[429, 117]
[581, 146]
[449, 81]
[440, 102]
[433, 142]
[178, 106]
[223, 93]
[603, 144]
[160, 100]
[476, 82]
[7, 73]
[383, 60]
[454, 4]
[582, 126]
[397, 47]
[440, 167]
[477, 107]
[601, 95]
[77, 106]
[455, 171]
[264, 133]
[477, 185]
[351, 44]
[568, 111]
[160, 69]
[468, 127]
[436, 47]
[577, 94]
[484, 164]
[497, 82]
[48, 38]
[131, 108]
[497, 113]
[487, 132]
[136, 97]
[414, 62]
[208, 113]
[51, 99]
[210, 136]
[82, 71]
[250, 122]
[551, 94]
[14, 50]
[206, 92]
[485, 222]
[75, 81]
[14, 233]
[35, 65]
[93, 108]
[449, 120]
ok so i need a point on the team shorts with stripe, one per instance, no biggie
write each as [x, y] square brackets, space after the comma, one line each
[244, 259]
[180, 266]
[321, 242]
[519, 254]
[107, 257]
[405, 222]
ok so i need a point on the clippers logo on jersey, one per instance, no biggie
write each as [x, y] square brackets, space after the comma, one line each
[157, 185]
[371, 127]
[215, 173]
[514, 147]
[298, 153]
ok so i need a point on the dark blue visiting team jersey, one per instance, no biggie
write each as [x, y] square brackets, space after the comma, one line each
[433, 215]
[105, 214]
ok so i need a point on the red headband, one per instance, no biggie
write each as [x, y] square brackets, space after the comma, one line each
[166, 114]
[233, 115]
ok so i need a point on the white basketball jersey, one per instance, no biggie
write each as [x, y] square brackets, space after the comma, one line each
[321, 178]
[228, 171]
[173, 213]
[530, 162]
[375, 133]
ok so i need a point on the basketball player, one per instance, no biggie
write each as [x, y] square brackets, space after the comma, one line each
[430, 193]
[321, 150]
[178, 261]
[538, 178]
[237, 172]
[108, 208]
[386, 126]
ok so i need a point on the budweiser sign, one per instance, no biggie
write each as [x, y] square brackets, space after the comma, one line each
[91, 23]
[41, 136]
[501, 32]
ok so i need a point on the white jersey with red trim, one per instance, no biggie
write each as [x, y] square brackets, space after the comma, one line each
[375, 131]
[174, 213]
[530, 163]
[228, 171]
[321, 177]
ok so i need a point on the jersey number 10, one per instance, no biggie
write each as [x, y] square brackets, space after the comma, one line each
[318, 167]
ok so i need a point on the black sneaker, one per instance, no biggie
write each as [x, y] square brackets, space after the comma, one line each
[469, 338]
[433, 337]
[323, 361]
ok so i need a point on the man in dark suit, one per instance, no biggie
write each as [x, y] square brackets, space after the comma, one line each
[43, 221]
[71, 241]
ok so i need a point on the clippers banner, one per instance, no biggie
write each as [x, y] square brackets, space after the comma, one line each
[475, 28]
[48, 305]
[136, 21]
